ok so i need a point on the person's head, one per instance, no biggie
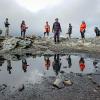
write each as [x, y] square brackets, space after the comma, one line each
[56, 20]
[83, 22]
[47, 22]
[69, 24]
[23, 22]
[6, 19]
[96, 27]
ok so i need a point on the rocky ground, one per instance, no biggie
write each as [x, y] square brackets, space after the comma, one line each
[84, 87]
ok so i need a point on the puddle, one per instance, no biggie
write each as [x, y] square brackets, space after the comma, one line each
[16, 70]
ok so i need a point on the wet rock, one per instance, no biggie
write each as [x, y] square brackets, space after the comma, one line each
[9, 44]
[21, 88]
[68, 82]
[58, 84]
[48, 52]
[25, 43]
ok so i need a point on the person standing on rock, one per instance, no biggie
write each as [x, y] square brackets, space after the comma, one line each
[56, 29]
[70, 31]
[97, 31]
[23, 29]
[83, 29]
[6, 23]
[47, 29]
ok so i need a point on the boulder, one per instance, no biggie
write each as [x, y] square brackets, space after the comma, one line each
[9, 44]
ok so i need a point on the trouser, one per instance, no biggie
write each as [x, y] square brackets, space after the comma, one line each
[45, 33]
[83, 34]
[23, 34]
[56, 37]
[6, 31]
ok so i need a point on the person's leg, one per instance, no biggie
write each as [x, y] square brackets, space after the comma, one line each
[44, 34]
[21, 33]
[7, 31]
[55, 37]
[58, 37]
[81, 35]
[24, 34]
[48, 34]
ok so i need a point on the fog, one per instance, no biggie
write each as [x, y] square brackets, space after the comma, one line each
[68, 11]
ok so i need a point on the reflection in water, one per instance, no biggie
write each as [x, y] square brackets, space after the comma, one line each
[24, 65]
[56, 64]
[53, 64]
[82, 64]
[9, 66]
[95, 62]
[47, 62]
[69, 61]
[1, 60]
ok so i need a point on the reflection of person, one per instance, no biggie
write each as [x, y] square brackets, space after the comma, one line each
[56, 64]
[1, 60]
[47, 63]
[69, 61]
[95, 63]
[9, 66]
[82, 63]
[24, 65]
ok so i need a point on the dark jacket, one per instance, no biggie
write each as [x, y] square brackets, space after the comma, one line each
[56, 27]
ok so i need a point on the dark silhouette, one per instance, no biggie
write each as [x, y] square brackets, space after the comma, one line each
[56, 64]
[69, 61]
[70, 31]
[95, 62]
[82, 64]
[97, 31]
[9, 66]
[56, 29]
[6, 27]
[1, 60]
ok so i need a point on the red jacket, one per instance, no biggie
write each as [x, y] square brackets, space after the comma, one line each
[82, 27]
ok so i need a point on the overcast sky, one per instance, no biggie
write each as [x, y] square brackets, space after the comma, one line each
[35, 13]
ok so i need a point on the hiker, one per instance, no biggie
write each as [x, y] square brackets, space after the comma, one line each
[23, 29]
[56, 64]
[70, 31]
[56, 29]
[97, 31]
[6, 23]
[82, 63]
[83, 29]
[47, 29]
[24, 65]
[47, 62]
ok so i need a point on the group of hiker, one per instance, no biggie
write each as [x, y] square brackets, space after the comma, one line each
[56, 29]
